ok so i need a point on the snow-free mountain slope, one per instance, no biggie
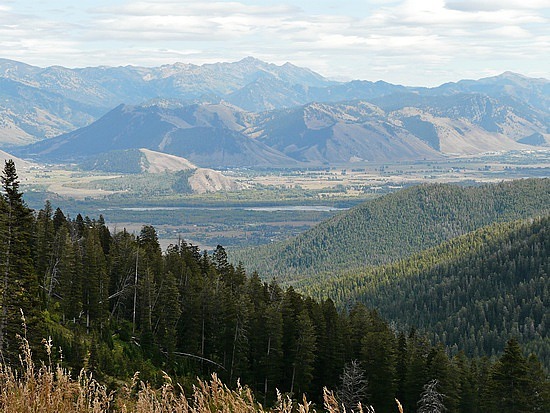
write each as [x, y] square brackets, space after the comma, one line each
[38, 103]
[207, 135]
[223, 135]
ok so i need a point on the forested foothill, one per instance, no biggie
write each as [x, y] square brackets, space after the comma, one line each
[114, 304]
[395, 226]
[471, 293]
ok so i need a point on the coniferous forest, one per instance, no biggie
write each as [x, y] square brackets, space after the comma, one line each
[114, 304]
[470, 293]
[396, 226]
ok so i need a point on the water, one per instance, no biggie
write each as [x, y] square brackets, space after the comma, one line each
[319, 208]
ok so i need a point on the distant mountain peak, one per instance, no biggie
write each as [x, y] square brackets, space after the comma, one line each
[251, 59]
[232, 101]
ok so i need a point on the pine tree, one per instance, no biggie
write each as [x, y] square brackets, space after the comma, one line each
[539, 393]
[152, 253]
[95, 281]
[167, 314]
[416, 372]
[19, 286]
[441, 369]
[70, 277]
[467, 394]
[44, 257]
[146, 300]
[59, 219]
[270, 363]
[303, 354]
[379, 360]
[123, 258]
[510, 384]
[104, 235]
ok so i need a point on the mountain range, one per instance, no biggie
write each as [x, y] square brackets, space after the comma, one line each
[252, 113]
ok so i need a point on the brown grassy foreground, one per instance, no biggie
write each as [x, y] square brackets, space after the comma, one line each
[52, 390]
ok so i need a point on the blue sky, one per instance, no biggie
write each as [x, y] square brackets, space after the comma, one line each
[400, 41]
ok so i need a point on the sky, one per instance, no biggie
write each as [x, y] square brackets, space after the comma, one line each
[414, 43]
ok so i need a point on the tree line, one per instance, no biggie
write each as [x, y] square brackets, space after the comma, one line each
[115, 303]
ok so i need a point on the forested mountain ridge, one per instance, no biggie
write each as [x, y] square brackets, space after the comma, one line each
[115, 304]
[395, 226]
[471, 293]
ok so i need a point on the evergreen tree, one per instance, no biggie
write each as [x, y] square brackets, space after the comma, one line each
[331, 343]
[95, 281]
[70, 277]
[441, 369]
[19, 286]
[104, 235]
[167, 314]
[59, 219]
[44, 258]
[416, 371]
[303, 354]
[379, 360]
[511, 387]
[539, 393]
[124, 263]
[467, 394]
[401, 365]
[268, 348]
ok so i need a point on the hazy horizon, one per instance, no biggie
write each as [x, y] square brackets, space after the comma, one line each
[407, 42]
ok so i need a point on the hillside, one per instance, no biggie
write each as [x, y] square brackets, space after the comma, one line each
[136, 161]
[116, 304]
[395, 226]
[29, 114]
[184, 176]
[472, 292]
[20, 163]
[206, 135]
[417, 128]
[338, 133]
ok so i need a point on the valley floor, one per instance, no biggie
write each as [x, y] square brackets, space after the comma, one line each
[211, 219]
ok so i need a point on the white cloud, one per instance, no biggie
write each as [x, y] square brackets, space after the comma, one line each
[410, 42]
[495, 5]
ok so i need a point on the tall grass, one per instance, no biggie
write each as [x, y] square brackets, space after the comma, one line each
[50, 389]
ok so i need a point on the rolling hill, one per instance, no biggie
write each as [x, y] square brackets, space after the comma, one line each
[139, 161]
[473, 292]
[395, 226]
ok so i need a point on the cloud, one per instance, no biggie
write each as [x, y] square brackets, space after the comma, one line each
[404, 41]
[193, 21]
[495, 5]
[193, 8]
